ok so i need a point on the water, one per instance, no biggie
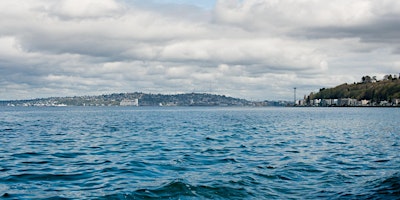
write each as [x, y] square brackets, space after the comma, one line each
[199, 153]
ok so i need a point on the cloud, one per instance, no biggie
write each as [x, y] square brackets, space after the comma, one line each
[259, 14]
[83, 8]
[271, 54]
[364, 19]
[252, 49]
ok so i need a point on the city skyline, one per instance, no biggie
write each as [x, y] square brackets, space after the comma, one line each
[252, 49]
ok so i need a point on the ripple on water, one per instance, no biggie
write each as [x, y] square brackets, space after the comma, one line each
[26, 177]
[179, 189]
[199, 153]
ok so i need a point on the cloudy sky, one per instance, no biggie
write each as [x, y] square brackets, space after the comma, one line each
[253, 49]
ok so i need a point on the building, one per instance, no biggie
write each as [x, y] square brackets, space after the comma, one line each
[365, 102]
[316, 102]
[384, 103]
[329, 102]
[300, 103]
[128, 102]
[347, 102]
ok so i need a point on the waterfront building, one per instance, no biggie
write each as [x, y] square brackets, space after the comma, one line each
[365, 102]
[347, 102]
[128, 102]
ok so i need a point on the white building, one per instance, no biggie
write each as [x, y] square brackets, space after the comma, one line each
[347, 102]
[384, 103]
[316, 102]
[329, 102]
[365, 102]
[128, 102]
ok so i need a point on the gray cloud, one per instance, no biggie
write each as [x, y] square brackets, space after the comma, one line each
[252, 49]
[384, 31]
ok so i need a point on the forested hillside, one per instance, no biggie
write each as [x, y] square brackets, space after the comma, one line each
[369, 88]
[144, 99]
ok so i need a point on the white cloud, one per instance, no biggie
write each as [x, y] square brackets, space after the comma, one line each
[291, 14]
[84, 8]
[254, 49]
[9, 47]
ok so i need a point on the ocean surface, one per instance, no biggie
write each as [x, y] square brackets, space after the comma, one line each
[199, 153]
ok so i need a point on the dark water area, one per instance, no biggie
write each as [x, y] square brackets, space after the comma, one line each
[199, 153]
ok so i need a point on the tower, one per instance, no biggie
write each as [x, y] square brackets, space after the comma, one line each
[294, 91]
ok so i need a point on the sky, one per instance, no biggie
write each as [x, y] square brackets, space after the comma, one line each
[252, 49]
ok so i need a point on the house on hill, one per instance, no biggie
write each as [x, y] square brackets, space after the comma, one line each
[128, 102]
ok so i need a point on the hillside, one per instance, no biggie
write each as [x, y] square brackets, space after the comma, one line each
[189, 99]
[376, 91]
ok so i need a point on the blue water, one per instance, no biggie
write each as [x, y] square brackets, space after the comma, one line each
[199, 153]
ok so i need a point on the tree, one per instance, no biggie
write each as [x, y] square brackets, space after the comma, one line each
[386, 77]
[366, 79]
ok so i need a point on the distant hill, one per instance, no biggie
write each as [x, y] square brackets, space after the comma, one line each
[369, 89]
[189, 99]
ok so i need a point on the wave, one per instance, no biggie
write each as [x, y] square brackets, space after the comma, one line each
[383, 188]
[388, 187]
[46, 177]
[179, 189]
